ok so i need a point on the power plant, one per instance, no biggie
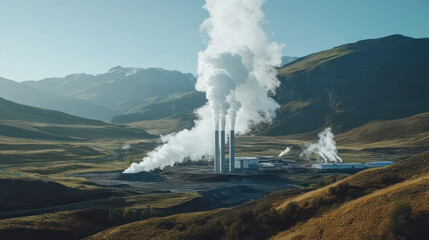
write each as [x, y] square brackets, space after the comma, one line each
[271, 163]
[219, 152]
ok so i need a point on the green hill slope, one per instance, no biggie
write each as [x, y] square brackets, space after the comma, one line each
[353, 84]
[22, 121]
[175, 104]
[411, 131]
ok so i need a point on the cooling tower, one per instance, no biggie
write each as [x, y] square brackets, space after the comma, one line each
[216, 152]
[231, 151]
[222, 151]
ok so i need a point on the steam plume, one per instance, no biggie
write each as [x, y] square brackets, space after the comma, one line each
[325, 148]
[284, 152]
[236, 71]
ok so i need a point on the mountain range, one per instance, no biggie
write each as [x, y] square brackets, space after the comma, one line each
[101, 96]
[344, 87]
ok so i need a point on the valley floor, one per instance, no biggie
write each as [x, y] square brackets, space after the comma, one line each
[103, 197]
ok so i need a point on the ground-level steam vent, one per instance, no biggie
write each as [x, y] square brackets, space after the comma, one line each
[338, 166]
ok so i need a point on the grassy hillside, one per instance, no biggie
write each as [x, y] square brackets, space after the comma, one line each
[22, 121]
[368, 217]
[360, 203]
[13, 111]
[96, 216]
[174, 123]
[15, 194]
[411, 131]
[353, 84]
[173, 105]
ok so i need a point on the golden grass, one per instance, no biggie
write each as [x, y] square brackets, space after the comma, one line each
[365, 217]
[70, 223]
[160, 200]
[405, 132]
[354, 208]
[373, 179]
[149, 229]
[95, 217]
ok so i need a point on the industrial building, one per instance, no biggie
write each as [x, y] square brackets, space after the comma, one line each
[338, 166]
[246, 162]
[271, 163]
[378, 164]
[350, 166]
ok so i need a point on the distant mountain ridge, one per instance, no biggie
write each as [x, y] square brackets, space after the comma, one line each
[119, 88]
[288, 59]
[23, 94]
[344, 87]
[100, 96]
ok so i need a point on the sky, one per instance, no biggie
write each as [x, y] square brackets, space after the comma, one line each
[54, 38]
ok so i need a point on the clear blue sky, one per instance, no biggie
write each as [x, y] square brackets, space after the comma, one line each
[47, 38]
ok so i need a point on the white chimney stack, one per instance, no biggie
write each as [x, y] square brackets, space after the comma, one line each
[216, 152]
[231, 151]
[222, 151]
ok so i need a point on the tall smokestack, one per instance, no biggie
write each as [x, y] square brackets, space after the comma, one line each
[222, 151]
[231, 151]
[216, 152]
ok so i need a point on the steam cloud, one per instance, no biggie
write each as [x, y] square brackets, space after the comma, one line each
[284, 152]
[325, 148]
[237, 73]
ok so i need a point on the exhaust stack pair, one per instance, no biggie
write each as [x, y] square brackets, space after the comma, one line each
[219, 153]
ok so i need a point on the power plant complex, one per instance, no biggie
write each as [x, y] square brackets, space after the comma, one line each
[269, 163]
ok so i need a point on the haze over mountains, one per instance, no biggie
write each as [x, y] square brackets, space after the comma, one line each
[21, 93]
[100, 96]
[346, 87]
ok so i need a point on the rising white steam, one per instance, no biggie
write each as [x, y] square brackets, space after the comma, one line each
[237, 73]
[325, 148]
[284, 152]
